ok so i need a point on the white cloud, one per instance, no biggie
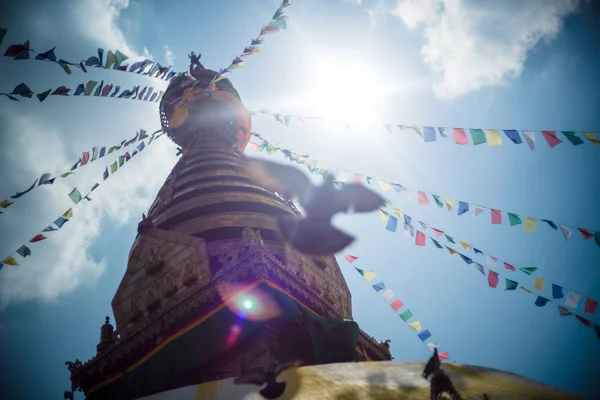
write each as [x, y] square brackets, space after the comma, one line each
[147, 54]
[169, 57]
[474, 44]
[353, 1]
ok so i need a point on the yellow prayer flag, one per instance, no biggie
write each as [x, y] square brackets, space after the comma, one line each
[417, 129]
[415, 326]
[398, 212]
[592, 137]
[452, 251]
[10, 260]
[385, 186]
[68, 214]
[370, 275]
[493, 137]
[529, 225]
[538, 284]
[466, 245]
[384, 216]
[113, 167]
[449, 203]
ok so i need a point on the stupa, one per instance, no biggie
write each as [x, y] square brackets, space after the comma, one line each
[210, 291]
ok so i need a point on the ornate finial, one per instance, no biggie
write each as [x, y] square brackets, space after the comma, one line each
[107, 320]
[195, 61]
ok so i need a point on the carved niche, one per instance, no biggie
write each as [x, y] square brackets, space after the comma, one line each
[189, 273]
[152, 299]
[169, 287]
[134, 309]
[154, 261]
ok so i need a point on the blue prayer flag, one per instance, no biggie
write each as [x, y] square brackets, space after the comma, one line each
[541, 301]
[513, 135]
[463, 207]
[392, 224]
[428, 134]
[557, 292]
[379, 286]
[424, 335]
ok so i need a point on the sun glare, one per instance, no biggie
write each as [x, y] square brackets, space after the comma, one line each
[347, 90]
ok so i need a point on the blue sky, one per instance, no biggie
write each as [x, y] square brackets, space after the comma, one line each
[508, 65]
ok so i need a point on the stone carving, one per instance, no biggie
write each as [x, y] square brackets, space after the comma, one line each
[145, 224]
[152, 299]
[189, 273]
[168, 286]
[250, 235]
[153, 260]
[228, 256]
[134, 309]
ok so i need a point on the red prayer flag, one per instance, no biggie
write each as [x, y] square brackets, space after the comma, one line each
[508, 266]
[422, 196]
[61, 91]
[37, 238]
[496, 217]
[590, 306]
[586, 234]
[492, 278]
[396, 305]
[85, 158]
[437, 232]
[350, 258]
[357, 178]
[460, 136]
[551, 138]
[584, 321]
[443, 356]
[420, 240]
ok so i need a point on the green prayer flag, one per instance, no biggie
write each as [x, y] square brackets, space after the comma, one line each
[478, 136]
[360, 271]
[121, 161]
[2, 33]
[406, 315]
[597, 238]
[24, 251]
[75, 196]
[528, 270]
[387, 203]
[511, 285]
[113, 167]
[514, 219]
[76, 164]
[575, 140]
[66, 174]
[450, 238]
[437, 200]
[99, 89]
[119, 58]
[436, 243]
[42, 96]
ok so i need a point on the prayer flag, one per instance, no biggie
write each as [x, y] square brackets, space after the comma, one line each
[491, 260]
[42, 96]
[424, 335]
[422, 196]
[49, 228]
[10, 260]
[24, 251]
[511, 285]
[437, 200]
[513, 219]
[406, 315]
[452, 251]
[584, 321]
[360, 271]
[564, 312]
[465, 258]
[477, 251]
[141, 146]
[387, 295]
[424, 225]
[415, 326]
[509, 267]
[420, 239]
[113, 167]
[379, 286]
[552, 224]
[60, 91]
[60, 221]
[566, 231]
[428, 134]
[449, 203]
[466, 245]
[478, 210]
[459, 136]
[449, 238]
[592, 137]
[407, 219]
[75, 196]
[480, 268]
[513, 135]
[529, 225]
[350, 258]
[557, 292]
[492, 278]
[392, 224]
[572, 300]
[437, 232]
[528, 270]
[105, 174]
[525, 289]
[436, 243]
[121, 161]
[493, 137]
[385, 186]
[496, 216]
[369, 275]
[396, 305]
[68, 214]
[541, 301]
[44, 178]
[93, 188]
[574, 139]
[590, 306]
[529, 138]
[463, 207]
[6, 203]
[478, 136]
[538, 284]
[551, 138]
[19, 194]
[586, 234]
[443, 356]
[37, 238]
[85, 158]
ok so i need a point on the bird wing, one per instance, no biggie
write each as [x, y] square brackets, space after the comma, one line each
[285, 365]
[256, 378]
[357, 198]
[288, 181]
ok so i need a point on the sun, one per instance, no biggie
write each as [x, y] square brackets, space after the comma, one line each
[346, 89]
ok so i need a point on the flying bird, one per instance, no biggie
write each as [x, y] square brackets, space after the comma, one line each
[314, 233]
[259, 377]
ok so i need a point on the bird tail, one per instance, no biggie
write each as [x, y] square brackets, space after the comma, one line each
[313, 236]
